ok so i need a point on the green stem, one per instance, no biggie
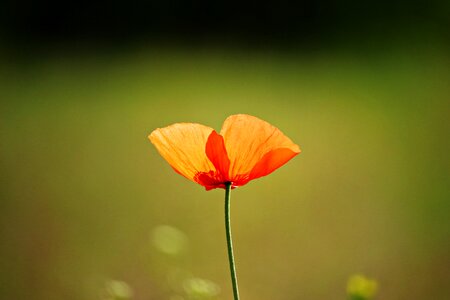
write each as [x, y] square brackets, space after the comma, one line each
[230, 242]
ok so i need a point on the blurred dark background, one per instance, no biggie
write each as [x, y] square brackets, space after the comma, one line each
[252, 23]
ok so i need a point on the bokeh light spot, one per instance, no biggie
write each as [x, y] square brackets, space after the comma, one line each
[169, 240]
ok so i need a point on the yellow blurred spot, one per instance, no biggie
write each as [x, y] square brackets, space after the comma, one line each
[169, 240]
[361, 287]
[198, 288]
[118, 290]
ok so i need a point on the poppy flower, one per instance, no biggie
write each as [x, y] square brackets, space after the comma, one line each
[245, 149]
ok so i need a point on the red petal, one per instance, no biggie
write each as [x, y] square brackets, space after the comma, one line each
[217, 154]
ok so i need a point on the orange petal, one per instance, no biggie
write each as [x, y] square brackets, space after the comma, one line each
[248, 140]
[271, 161]
[217, 154]
[183, 146]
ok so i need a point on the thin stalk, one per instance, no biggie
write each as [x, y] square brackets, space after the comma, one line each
[230, 242]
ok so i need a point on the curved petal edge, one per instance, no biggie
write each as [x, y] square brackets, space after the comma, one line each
[272, 161]
[182, 145]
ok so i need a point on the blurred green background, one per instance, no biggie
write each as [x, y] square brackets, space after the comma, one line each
[89, 210]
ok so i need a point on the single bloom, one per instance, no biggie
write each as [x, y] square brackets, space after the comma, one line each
[245, 149]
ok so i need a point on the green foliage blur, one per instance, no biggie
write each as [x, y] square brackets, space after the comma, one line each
[361, 288]
[89, 210]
